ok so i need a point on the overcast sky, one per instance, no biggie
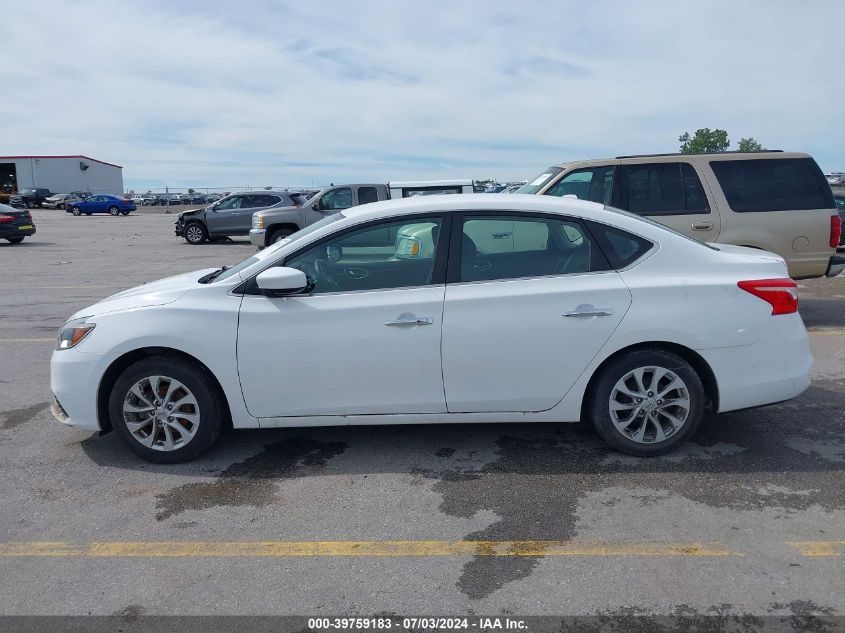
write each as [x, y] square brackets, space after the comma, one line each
[197, 93]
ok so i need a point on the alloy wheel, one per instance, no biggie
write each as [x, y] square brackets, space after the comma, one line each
[649, 404]
[161, 413]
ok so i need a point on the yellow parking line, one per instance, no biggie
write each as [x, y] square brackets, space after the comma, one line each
[819, 548]
[194, 549]
[28, 340]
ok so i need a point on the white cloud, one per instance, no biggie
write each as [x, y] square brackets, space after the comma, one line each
[197, 94]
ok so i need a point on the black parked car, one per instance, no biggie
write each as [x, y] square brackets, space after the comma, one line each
[30, 198]
[840, 206]
[15, 224]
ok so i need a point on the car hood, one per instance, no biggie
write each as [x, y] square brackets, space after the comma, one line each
[273, 210]
[154, 293]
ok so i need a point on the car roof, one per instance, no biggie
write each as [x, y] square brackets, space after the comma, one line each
[634, 158]
[474, 202]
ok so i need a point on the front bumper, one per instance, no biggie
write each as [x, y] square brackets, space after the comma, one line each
[257, 237]
[74, 380]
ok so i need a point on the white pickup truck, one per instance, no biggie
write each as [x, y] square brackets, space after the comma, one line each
[276, 224]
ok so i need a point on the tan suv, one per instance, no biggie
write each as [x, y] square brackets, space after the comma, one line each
[773, 200]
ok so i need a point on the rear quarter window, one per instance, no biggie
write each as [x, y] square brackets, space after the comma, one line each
[619, 247]
[779, 184]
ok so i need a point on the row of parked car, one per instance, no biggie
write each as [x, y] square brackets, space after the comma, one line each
[772, 201]
[171, 199]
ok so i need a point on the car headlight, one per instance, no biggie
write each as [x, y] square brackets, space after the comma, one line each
[257, 221]
[72, 332]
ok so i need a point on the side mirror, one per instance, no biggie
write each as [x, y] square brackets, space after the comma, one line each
[281, 281]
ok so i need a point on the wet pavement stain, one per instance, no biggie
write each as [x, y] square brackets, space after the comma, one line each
[16, 417]
[740, 461]
[251, 482]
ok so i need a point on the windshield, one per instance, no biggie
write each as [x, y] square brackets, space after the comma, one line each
[270, 250]
[535, 185]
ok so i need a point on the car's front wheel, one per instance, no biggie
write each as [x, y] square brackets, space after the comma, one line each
[647, 402]
[195, 233]
[114, 210]
[278, 235]
[166, 410]
[76, 211]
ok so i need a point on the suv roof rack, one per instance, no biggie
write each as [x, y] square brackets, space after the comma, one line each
[733, 151]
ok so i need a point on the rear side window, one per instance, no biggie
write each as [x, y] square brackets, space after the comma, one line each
[367, 195]
[665, 189]
[779, 184]
[619, 247]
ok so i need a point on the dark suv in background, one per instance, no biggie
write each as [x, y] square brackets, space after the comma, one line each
[232, 215]
[30, 198]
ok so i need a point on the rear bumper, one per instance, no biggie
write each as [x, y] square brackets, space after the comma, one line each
[7, 232]
[774, 369]
[257, 237]
[835, 266]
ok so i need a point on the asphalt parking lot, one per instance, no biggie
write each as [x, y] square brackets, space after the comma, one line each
[749, 518]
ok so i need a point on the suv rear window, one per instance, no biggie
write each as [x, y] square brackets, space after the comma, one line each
[775, 184]
[620, 247]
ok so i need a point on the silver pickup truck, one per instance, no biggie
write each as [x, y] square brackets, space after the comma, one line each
[272, 225]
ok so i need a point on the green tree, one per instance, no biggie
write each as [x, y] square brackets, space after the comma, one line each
[704, 140]
[749, 145]
[191, 191]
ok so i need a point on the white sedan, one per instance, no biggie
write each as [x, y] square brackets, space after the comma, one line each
[470, 308]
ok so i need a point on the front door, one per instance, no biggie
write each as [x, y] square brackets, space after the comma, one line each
[365, 340]
[531, 304]
[225, 217]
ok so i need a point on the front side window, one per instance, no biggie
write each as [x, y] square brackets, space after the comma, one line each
[510, 247]
[780, 184]
[232, 202]
[594, 184]
[396, 254]
[337, 199]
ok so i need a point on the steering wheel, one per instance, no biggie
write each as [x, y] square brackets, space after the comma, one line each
[321, 267]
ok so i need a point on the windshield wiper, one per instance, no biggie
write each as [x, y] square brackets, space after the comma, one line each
[213, 275]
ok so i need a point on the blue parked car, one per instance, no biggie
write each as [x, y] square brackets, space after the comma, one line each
[102, 204]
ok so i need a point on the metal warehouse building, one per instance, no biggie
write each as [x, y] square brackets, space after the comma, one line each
[60, 174]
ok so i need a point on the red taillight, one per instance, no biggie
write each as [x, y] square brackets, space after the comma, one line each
[835, 230]
[781, 294]
[6, 218]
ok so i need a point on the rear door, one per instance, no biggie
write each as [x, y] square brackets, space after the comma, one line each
[670, 193]
[253, 203]
[530, 303]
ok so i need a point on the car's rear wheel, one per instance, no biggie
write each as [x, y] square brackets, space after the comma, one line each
[278, 235]
[166, 409]
[114, 210]
[124, 213]
[76, 211]
[647, 402]
[15, 240]
[195, 233]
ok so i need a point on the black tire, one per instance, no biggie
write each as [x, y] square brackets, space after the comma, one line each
[279, 234]
[212, 412]
[114, 211]
[76, 211]
[195, 233]
[15, 240]
[598, 406]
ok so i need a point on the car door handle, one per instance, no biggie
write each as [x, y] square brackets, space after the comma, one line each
[419, 321]
[702, 226]
[589, 312]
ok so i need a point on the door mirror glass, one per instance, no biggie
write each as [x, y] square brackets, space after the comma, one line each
[279, 281]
